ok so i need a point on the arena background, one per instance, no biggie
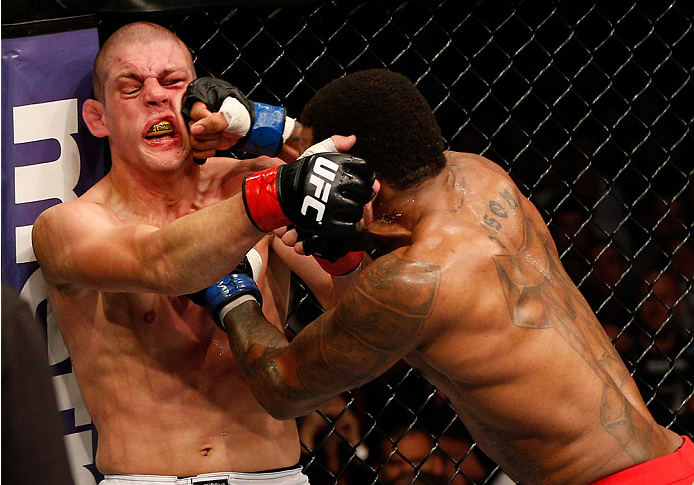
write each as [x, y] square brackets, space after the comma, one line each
[589, 107]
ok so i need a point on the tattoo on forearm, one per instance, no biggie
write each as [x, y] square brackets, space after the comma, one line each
[373, 326]
[257, 339]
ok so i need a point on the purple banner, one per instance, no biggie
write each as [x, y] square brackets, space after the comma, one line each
[48, 157]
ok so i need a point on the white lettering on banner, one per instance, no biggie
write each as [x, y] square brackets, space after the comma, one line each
[57, 351]
[24, 252]
[46, 180]
[57, 179]
[80, 446]
[324, 172]
[34, 290]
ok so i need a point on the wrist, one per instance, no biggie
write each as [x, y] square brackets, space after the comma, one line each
[237, 116]
[261, 200]
[228, 291]
[226, 308]
[266, 134]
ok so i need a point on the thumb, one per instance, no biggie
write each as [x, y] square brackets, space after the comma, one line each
[343, 143]
[211, 124]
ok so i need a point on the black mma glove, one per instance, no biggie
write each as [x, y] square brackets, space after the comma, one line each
[321, 194]
[263, 127]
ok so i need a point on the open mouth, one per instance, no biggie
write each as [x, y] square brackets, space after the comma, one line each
[160, 130]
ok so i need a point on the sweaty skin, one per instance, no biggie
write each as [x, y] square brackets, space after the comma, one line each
[471, 292]
[156, 374]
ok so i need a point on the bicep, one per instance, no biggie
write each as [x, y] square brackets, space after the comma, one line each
[378, 321]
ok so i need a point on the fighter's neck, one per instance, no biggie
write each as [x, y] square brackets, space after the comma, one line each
[398, 212]
[408, 207]
[167, 195]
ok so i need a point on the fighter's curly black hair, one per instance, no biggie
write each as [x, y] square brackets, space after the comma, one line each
[396, 131]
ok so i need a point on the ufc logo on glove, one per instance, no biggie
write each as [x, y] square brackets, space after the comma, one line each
[336, 185]
[323, 175]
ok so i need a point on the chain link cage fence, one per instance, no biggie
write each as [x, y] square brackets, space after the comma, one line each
[589, 107]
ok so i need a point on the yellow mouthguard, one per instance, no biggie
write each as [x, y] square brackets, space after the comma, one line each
[161, 128]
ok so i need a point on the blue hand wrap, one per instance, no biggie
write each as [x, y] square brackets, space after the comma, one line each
[265, 137]
[227, 290]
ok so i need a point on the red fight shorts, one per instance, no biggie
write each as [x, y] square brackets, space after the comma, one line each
[677, 468]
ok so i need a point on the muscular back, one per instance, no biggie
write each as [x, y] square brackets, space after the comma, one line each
[478, 300]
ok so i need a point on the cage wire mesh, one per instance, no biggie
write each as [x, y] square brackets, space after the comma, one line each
[588, 106]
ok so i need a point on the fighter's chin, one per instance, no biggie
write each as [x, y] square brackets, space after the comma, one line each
[168, 157]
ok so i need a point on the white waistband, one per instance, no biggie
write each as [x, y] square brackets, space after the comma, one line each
[282, 477]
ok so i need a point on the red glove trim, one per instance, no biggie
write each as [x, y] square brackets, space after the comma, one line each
[261, 202]
[344, 265]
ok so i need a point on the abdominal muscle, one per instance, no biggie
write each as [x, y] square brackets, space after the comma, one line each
[163, 389]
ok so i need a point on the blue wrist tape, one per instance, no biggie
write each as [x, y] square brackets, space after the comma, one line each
[265, 137]
[228, 289]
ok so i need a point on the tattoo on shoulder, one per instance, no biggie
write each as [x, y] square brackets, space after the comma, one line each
[498, 211]
[395, 297]
[402, 286]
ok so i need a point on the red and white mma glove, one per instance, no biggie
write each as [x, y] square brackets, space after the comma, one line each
[322, 194]
[263, 127]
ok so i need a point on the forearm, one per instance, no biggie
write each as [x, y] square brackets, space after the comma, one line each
[85, 245]
[328, 294]
[325, 287]
[269, 363]
[195, 251]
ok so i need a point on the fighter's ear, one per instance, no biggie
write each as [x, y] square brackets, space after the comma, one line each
[93, 114]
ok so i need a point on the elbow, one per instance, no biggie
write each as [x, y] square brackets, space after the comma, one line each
[280, 398]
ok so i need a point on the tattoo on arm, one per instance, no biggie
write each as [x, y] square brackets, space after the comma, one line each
[375, 324]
